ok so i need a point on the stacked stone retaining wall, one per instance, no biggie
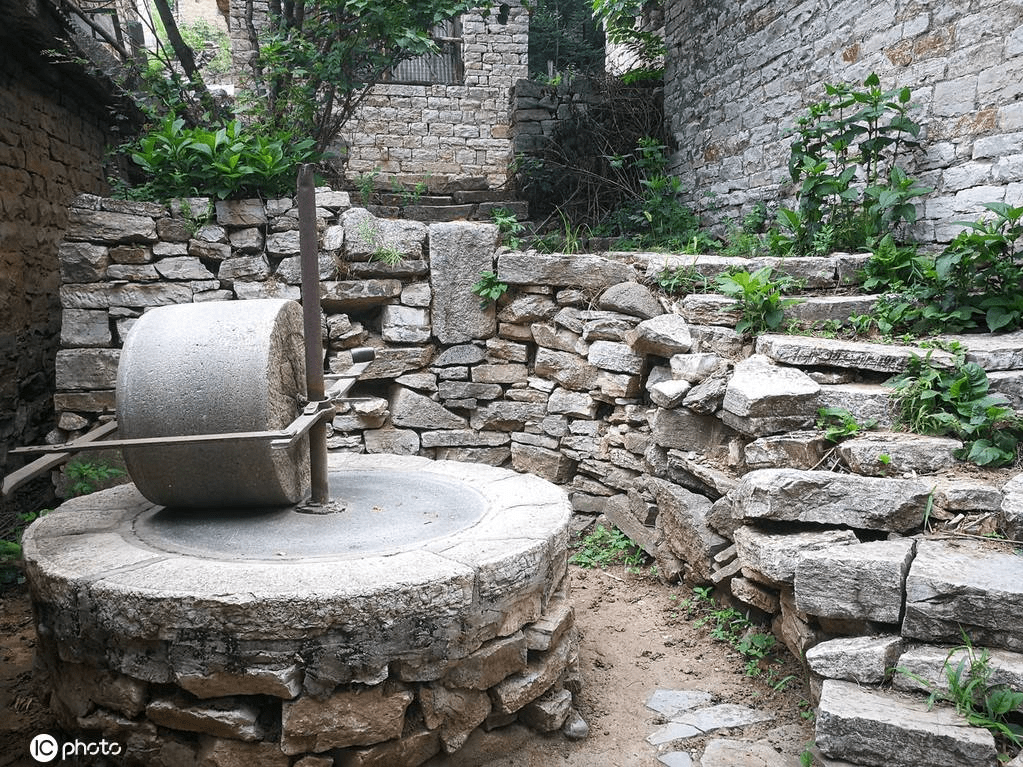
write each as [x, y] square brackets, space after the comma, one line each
[696, 441]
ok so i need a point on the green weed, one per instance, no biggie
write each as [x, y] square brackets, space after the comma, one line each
[759, 298]
[489, 287]
[838, 423]
[86, 476]
[608, 546]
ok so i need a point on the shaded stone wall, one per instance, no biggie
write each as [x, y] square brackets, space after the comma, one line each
[52, 142]
[738, 74]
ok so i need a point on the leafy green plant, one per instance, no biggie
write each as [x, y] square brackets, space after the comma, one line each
[389, 256]
[759, 298]
[509, 227]
[970, 690]
[838, 423]
[86, 476]
[956, 400]
[489, 287]
[608, 546]
[227, 161]
[844, 160]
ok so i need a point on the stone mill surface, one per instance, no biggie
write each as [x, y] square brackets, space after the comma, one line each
[382, 634]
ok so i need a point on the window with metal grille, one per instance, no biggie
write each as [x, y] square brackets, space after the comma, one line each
[443, 67]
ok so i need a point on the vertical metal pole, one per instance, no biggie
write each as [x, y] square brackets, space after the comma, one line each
[309, 249]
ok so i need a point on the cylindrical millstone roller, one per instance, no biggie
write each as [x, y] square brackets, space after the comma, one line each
[211, 368]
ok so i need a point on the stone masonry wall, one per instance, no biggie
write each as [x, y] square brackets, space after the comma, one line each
[448, 131]
[51, 147]
[695, 441]
[738, 74]
[444, 132]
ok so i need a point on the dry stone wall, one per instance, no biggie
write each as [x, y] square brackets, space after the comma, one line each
[738, 74]
[51, 144]
[695, 441]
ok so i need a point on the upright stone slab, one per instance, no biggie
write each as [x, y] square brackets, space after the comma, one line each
[861, 355]
[971, 586]
[1012, 508]
[683, 519]
[868, 727]
[459, 251]
[860, 582]
[870, 503]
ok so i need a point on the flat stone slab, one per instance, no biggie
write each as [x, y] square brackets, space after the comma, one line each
[823, 497]
[723, 752]
[669, 703]
[894, 454]
[831, 352]
[868, 727]
[1002, 351]
[690, 724]
[865, 660]
[97, 578]
[773, 557]
[859, 582]
[971, 586]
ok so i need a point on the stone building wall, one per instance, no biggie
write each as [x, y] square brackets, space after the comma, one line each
[441, 132]
[52, 141]
[738, 74]
[448, 131]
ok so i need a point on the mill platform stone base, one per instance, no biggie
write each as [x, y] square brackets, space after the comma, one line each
[433, 605]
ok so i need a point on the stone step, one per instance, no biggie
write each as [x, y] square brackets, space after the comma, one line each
[869, 727]
[926, 667]
[808, 351]
[971, 586]
[813, 272]
[716, 309]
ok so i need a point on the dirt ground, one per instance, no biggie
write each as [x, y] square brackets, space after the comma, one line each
[634, 638]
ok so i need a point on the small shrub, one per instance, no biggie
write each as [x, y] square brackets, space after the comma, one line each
[86, 476]
[838, 423]
[224, 162]
[759, 297]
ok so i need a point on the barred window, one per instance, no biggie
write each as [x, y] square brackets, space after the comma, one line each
[443, 67]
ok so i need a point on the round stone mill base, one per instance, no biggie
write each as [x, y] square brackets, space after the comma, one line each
[432, 606]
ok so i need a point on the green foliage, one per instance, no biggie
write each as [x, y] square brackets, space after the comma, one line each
[608, 546]
[838, 423]
[956, 401]
[619, 18]
[975, 698]
[224, 162]
[10, 549]
[564, 33]
[748, 239]
[509, 227]
[972, 284]
[655, 214]
[844, 161]
[759, 297]
[365, 184]
[388, 256]
[318, 59]
[682, 281]
[86, 476]
[211, 45]
[489, 287]
[728, 625]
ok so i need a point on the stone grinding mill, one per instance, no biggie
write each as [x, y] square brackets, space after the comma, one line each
[200, 616]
